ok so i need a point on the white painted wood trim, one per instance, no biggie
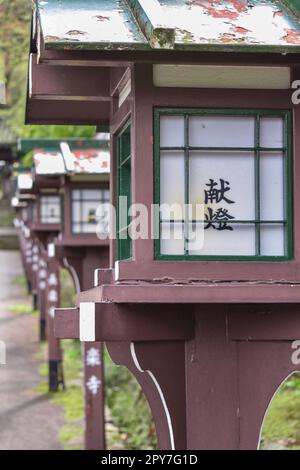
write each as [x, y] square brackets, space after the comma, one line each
[220, 76]
[160, 392]
[87, 323]
[51, 250]
[124, 92]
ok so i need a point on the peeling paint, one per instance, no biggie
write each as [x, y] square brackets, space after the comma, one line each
[261, 22]
[102, 18]
[240, 30]
[75, 32]
[61, 21]
[292, 36]
[216, 10]
[278, 13]
[196, 23]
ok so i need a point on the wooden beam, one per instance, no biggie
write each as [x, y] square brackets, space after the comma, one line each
[194, 293]
[126, 58]
[263, 322]
[67, 83]
[127, 323]
[85, 113]
[66, 323]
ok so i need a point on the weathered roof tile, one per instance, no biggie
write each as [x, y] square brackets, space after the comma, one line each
[170, 24]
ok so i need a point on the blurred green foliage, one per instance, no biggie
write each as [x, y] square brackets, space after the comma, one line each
[15, 26]
[281, 429]
[130, 412]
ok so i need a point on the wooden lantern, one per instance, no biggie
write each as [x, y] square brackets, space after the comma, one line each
[203, 112]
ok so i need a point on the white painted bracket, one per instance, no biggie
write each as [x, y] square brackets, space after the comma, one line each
[87, 321]
[51, 250]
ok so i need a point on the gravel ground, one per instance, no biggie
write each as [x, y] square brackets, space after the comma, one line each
[27, 420]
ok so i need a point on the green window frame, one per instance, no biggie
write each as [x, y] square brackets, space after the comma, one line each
[124, 245]
[257, 149]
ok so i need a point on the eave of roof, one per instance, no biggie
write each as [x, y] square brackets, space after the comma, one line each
[183, 25]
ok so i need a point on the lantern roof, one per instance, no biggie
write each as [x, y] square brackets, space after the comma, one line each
[233, 25]
[68, 157]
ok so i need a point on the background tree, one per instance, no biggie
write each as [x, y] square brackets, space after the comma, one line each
[15, 23]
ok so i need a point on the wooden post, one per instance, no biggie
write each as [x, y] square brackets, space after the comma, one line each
[94, 396]
[52, 298]
[93, 354]
[41, 278]
[34, 270]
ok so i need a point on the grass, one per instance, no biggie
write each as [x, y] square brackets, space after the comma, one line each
[21, 282]
[22, 309]
[129, 410]
[281, 429]
[6, 213]
[71, 434]
[8, 242]
[67, 294]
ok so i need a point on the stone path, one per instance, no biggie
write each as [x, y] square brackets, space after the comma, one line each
[8, 232]
[27, 420]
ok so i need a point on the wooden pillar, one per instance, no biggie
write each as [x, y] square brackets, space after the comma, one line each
[52, 298]
[34, 271]
[41, 277]
[28, 262]
[83, 268]
[93, 365]
[94, 396]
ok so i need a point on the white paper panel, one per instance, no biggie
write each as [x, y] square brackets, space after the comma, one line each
[172, 182]
[94, 194]
[272, 240]
[106, 195]
[172, 131]
[84, 228]
[89, 228]
[221, 131]
[196, 235]
[271, 186]
[76, 211]
[172, 239]
[236, 168]
[50, 209]
[238, 242]
[76, 194]
[76, 228]
[271, 132]
[89, 211]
